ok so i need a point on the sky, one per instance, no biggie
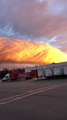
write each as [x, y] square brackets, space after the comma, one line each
[42, 21]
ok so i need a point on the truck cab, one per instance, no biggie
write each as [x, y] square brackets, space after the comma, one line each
[6, 77]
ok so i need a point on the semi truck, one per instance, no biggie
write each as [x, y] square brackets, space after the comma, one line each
[19, 76]
[53, 70]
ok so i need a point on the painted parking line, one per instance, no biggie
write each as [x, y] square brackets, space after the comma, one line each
[28, 94]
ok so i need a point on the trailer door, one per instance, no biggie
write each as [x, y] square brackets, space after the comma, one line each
[48, 72]
[57, 71]
[40, 73]
[65, 69]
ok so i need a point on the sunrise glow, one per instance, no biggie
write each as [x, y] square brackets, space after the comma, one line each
[20, 51]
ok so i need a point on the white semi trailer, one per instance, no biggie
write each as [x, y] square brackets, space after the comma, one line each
[56, 70]
[51, 70]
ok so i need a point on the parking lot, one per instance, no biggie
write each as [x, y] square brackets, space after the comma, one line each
[33, 99]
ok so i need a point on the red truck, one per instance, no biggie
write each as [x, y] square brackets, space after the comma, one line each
[18, 76]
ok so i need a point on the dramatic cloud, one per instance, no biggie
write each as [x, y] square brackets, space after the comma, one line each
[18, 51]
[43, 21]
[35, 17]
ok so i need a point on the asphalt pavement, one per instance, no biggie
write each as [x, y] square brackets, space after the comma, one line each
[33, 99]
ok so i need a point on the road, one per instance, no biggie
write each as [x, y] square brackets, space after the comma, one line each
[37, 100]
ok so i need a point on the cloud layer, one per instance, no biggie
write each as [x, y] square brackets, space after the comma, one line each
[34, 19]
[37, 17]
[43, 21]
[18, 51]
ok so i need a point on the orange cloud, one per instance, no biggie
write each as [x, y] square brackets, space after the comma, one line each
[20, 51]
